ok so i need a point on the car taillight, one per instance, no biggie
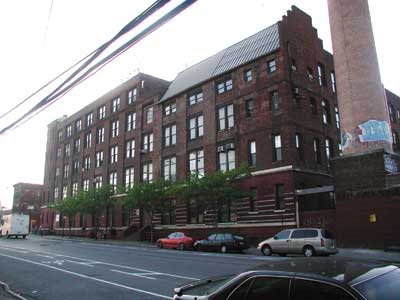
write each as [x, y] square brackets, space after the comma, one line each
[322, 243]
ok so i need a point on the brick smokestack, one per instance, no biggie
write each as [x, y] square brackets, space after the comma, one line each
[363, 109]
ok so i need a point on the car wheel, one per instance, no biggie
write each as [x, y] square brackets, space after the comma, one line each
[160, 245]
[308, 251]
[198, 247]
[224, 249]
[266, 250]
[181, 247]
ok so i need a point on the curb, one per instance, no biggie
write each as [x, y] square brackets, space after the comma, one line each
[7, 289]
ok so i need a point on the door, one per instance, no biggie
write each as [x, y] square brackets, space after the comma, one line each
[281, 242]
[302, 237]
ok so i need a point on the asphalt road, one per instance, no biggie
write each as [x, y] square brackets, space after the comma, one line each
[45, 269]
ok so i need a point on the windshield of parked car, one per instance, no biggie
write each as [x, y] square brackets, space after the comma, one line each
[207, 287]
[386, 286]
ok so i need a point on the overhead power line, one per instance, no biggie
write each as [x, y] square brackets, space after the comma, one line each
[55, 96]
[95, 53]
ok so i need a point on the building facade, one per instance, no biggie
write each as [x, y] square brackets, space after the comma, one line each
[268, 101]
[28, 199]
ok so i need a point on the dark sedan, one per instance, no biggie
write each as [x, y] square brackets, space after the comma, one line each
[301, 279]
[222, 242]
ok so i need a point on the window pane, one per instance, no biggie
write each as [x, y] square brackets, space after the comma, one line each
[269, 288]
[311, 290]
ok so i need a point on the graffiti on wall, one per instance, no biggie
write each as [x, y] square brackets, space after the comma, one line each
[374, 131]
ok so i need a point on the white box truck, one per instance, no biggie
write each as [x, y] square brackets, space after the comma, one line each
[15, 225]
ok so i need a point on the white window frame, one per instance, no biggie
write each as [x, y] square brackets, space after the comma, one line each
[130, 149]
[196, 127]
[169, 168]
[114, 154]
[148, 142]
[196, 162]
[131, 121]
[114, 128]
[116, 104]
[129, 177]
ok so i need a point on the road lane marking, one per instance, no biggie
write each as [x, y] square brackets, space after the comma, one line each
[12, 249]
[115, 265]
[142, 275]
[79, 263]
[46, 256]
[88, 277]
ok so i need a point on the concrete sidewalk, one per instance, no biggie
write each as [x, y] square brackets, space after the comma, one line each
[392, 256]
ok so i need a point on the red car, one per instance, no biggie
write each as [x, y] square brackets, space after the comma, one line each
[176, 240]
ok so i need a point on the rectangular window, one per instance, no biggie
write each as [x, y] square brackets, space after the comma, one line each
[196, 127]
[77, 145]
[248, 75]
[59, 151]
[224, 86]
[88, 140]
[60, 135]
[250, 108]
[78, 125]
[148, 142]
[279, 197]
[169, 109]
[75, 167]
[169, 168]
[276, 148]
[86, 163]
[195, 97]
[313, 106]
[326, 116]
[275, 101]
[317, 151]
[132, 95]
[195, 212]
[321, 75]
[226, 157]
[113, 181]
[130, 149]
[333, 82]
[57, 171]
[101, 114]
[100, 135]
[67, 150]
[310, 74]
[253, 200]
[129, 177]
[130, 121]
[226, 118]
[147, 172]
[86, 185]
[56, 193]
[114, 128]
[74, 188]
[69, 130]
[114, 154]
[65, 192]
[66, 171]
[196, 162]
[271, 66]
[328, 149]
[299, 146]
[149, 114]
[89, 119]
[337, 118]
[98, 182]
[170, 135]
[116, 104]
[99, 159]
[252, 153]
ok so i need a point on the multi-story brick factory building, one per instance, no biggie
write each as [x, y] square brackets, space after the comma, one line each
[268, 101]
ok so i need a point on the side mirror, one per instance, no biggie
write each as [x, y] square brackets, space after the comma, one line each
[275, 237]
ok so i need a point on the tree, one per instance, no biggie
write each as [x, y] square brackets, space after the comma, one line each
[94, 202]
[215, 192]
[69, 206]
[147, 196]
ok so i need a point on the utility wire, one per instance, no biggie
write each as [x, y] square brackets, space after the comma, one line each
[53, 97]
[95, 53]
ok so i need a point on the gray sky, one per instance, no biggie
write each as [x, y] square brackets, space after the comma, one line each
[37, 45]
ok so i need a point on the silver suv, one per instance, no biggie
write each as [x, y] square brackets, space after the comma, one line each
[308, 241]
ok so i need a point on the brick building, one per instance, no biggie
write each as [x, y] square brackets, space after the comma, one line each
[28, 199]
[269, 101]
